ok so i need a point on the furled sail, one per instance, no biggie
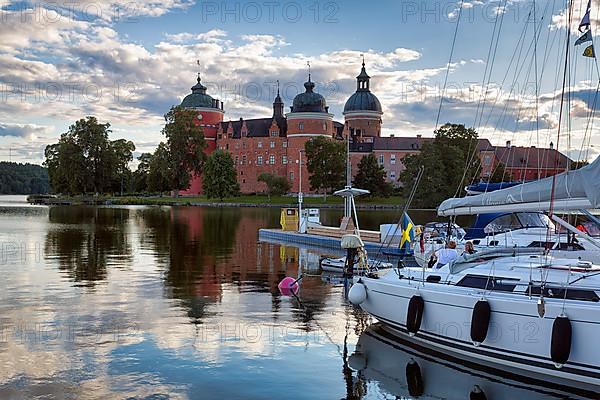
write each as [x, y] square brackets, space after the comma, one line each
[579, 189]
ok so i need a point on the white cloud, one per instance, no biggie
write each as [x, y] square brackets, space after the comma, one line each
[27, 131]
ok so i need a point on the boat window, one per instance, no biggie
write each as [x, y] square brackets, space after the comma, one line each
[502, 224]
[434, 278]
[559, 293]
[511, 222]
[535, 220]
[488, 283]
[550, 245]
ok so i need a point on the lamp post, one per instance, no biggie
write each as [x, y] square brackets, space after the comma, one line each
[300, 230]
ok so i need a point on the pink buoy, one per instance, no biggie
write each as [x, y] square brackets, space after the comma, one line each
[288, 286]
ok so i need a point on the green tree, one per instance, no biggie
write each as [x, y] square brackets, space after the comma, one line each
[140, 175]
[276, 185]
[450, 163]
[159, 170]
[23, 179]
[185, 146]
[220, 178]
[85, 160]
[92, 139]
[122, 154]
[500, 174]
[578, 164]
[371, 176]
[326, 164]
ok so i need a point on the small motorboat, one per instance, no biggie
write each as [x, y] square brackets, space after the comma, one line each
[337, 264]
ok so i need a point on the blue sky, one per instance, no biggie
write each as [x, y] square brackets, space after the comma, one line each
[127, 64]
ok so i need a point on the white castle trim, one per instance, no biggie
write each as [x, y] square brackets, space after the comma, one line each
[309, 115]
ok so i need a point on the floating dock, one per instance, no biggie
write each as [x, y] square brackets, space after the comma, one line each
[318, 242]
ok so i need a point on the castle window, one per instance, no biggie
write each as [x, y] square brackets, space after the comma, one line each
[272, 160]
[237, 146]
[274, 133]
[237, 160]
[272, 145]
[393, 159]
[292, 176]
[393, 175]
[324, 126]
[381, 159]
[244, 159]
[260, 145]
[243, 145]
[284, 145]
[301, 126]
[259, 160]
[284, 160]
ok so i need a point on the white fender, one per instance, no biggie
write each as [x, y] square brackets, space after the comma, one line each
[357, 293]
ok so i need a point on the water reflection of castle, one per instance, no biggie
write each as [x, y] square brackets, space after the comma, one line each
[203, 251]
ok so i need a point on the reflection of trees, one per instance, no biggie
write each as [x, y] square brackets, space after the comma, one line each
[187, 241]
[220, 227]
[84, 240]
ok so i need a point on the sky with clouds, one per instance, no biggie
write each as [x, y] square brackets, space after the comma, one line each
[127, 63]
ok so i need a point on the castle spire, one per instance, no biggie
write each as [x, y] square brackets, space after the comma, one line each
[363, 81]
[278, 104]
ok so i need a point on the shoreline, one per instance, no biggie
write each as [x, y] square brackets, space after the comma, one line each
[392, 203]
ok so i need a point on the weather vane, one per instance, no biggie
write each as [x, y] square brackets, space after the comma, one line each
[308, 63]
[277, 87]
[198, 62]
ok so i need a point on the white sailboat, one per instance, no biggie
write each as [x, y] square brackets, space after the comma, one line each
[522, 310]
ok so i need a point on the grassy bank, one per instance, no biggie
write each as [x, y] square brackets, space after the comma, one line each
[259, 201]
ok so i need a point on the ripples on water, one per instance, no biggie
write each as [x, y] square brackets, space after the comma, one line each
[182, 302]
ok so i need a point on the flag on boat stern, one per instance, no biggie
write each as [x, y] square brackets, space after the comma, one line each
[408, 233]
[586, 37]
[585, 21]
[589, 52]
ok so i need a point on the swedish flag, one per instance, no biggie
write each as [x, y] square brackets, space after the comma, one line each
[408, 233]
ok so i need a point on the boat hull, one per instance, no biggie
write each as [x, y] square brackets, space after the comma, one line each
[384, 355]
[518, 340]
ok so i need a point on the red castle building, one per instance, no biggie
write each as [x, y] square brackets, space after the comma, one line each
[275, 144]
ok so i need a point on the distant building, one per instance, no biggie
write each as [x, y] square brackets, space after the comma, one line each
[274, 144]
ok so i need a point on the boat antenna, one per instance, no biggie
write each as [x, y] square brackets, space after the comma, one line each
[437, 119]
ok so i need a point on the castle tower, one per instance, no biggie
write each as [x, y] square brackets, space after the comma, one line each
[278, 105]
[210, 114]
[309, 118]
[363, 111]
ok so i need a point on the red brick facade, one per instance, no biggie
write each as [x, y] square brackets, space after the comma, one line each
[276, 144]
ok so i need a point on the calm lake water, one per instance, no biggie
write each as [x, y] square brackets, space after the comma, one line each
[182, 303]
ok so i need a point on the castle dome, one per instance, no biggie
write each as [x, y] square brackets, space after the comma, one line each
[198, 98]
[309, 101]
[363, 99]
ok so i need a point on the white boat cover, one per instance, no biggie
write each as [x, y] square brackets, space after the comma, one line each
[573, 190]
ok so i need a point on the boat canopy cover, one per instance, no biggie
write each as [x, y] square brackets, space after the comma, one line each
[486, 187]
[577, 189]
[352, 242]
